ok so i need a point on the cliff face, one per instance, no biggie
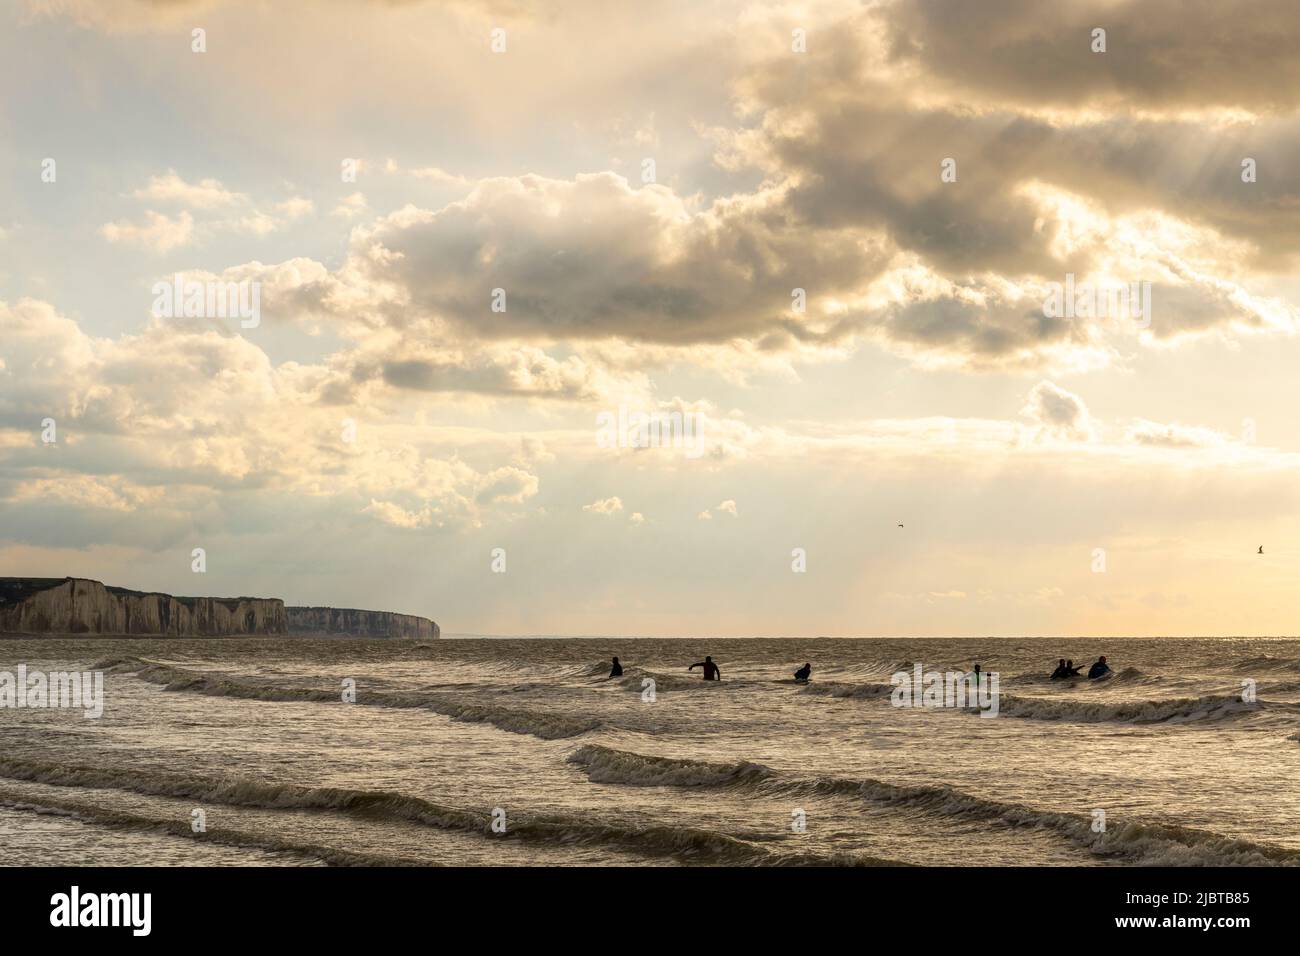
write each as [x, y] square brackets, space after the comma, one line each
[79, 606]
[355, 623]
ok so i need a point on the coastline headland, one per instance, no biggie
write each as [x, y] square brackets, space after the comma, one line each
[64, 606]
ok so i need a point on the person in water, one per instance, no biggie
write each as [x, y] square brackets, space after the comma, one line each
[711, 671]
[803, 673]
[1071, 670]
[1060, 671]
[616, 670]
[1099, 669]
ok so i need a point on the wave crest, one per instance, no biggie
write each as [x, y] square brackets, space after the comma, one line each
[689, 844]
[866, 691]
[606, 765]
[1212, 707]
[542, 724]
[1135, 840]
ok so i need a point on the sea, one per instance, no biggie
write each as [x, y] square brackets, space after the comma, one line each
[479, 751]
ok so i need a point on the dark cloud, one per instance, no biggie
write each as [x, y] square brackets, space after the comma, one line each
[1058, 412]
[862, 161]
[850, 139]
[987, 332]
[1175, 54]
[593, 258]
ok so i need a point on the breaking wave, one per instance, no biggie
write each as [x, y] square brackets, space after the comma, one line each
[687, 844]
[1212, 707]
[866, 691]
[121, 820]
[1137, 841]
[606, 765]
[1267, 662]
[547, 726]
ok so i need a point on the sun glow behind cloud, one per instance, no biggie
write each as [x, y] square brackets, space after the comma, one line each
[690, 218]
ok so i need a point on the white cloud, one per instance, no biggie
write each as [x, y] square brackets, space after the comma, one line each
[205, 194]
[350, 206]
[441, 177]
[259, 223]
[399, 517]
[158, 232]
[1143, 432]
[295, 208]
[185, 407]
[533, 452]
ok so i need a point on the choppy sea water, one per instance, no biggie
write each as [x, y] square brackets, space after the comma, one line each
[445, 737]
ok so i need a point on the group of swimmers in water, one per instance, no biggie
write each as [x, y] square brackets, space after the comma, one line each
[712, 671]
[1066, 669]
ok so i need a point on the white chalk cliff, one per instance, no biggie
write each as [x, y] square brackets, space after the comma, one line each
[347, 620]
[82, 606]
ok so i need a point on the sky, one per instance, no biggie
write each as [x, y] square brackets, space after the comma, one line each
[980, 317]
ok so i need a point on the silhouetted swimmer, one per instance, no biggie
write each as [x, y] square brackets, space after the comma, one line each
[803, 673]
[1061, 670]
[1261, 550]
[1099, 669]
[711, 671]
[616, 670]
[1071, 670]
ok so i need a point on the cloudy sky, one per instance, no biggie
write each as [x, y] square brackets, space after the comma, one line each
[648, 186]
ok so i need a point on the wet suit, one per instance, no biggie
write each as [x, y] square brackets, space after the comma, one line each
[616, 670]
[711, 671]
[1098, 670]
[803, 672]
[1061, 672]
